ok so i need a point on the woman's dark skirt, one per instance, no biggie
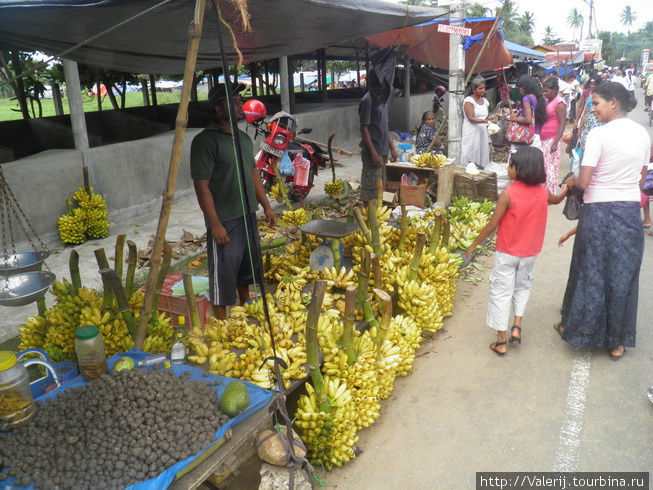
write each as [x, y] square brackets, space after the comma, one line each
[600, 304]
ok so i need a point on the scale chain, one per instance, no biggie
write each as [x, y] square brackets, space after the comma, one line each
[13, 203]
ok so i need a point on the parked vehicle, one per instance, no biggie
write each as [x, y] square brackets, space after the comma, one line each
[280, 133]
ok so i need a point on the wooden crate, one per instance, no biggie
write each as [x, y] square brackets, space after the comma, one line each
[476, 187]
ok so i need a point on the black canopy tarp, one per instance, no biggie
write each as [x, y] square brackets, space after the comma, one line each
[157, 41]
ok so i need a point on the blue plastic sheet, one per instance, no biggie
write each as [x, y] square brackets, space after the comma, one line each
[258, 398]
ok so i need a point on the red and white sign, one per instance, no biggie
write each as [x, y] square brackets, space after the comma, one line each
[461, 31]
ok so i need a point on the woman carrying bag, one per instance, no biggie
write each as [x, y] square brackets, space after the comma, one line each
[525, 122]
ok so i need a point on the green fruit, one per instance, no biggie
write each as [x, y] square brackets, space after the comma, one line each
[124, 364]
[234, 398]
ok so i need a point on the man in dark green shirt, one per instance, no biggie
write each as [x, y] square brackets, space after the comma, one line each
[217, 186]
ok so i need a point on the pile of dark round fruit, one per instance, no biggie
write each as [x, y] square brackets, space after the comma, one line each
[113, 432]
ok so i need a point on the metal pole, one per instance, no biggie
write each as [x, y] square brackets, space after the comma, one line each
[74, 91]
[285, 91]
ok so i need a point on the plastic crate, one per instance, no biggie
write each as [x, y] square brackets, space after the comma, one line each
[175, 307]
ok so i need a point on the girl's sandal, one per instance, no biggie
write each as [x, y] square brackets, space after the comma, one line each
[494, 345]
[559, 328]
[514, 338]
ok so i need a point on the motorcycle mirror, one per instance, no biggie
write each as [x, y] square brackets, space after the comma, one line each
[305, 130]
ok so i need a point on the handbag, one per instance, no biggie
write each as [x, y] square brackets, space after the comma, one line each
[520, 133]
[648, 183]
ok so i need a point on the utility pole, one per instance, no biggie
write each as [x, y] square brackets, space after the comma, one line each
[456, 82]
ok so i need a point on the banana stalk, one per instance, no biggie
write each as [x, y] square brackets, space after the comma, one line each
[40, 303]
[446, 232]
[417, 255]
[331, 160]
[373, 221]
[347, 340]
[363, 280]
[335, 248]
[132, 259]
[119, 255]
[282, 186]
[376, 270]
[437, 230]
[114, 283]
[379, 193]
[363, 226]
[404, 220]
[312, 348]
[190, 301]
[103, 263]
[277, 242]
[386, 317]
[73, 265]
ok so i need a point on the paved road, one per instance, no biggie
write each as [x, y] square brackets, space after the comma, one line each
[545, 406]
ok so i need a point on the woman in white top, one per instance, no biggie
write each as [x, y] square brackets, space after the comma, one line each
[600, 303]
[475, 141]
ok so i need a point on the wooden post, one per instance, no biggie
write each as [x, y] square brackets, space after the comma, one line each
[98, 89]
[445, 183]
[175, 157]
[267, 77]
[103, 263]
[132, 260]
[301, 82]
[285, 91]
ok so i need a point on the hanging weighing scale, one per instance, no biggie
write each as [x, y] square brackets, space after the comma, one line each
[329, 252]
[21, 279]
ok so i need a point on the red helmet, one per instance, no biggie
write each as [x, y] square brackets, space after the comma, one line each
[440, 90]
[254, 110]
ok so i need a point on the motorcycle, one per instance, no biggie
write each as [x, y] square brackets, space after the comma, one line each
[281, 145]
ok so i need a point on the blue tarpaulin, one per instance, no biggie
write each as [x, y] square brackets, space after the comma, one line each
[518, 50]
[258, 398]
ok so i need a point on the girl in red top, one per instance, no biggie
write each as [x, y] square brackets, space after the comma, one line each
[520, 215]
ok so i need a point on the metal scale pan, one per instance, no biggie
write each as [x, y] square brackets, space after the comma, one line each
[23, 289]
[22, 262]
[326, 228]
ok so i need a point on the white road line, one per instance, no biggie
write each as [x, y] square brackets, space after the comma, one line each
[572, 423]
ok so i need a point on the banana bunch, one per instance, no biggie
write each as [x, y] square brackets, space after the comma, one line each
[72, 227]
[296, 217]
[388, 360]
[338, 278]
[111, 326]
[88, 220]
[334, 188]
[419, 301]
[32, 333]
[407, 335]
[428, 160]
[295, 281]
[440, 270]
[275, 190]
[330, 437]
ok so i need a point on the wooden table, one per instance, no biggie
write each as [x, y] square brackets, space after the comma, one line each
[223, 461]
[442, 177]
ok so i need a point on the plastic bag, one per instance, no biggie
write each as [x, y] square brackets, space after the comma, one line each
[574, 165]
[648, 184]
[573, 204]
[286, 167]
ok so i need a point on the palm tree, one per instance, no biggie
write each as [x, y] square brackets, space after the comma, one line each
[549, 36]
[527, 22]
[476, 10]
[575, 20]
[627, 17]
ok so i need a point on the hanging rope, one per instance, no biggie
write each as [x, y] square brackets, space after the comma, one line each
[278, 402]
[241, 6]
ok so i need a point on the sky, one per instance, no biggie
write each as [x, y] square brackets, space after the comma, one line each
[554, 13]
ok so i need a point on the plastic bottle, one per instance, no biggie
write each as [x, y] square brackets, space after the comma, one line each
[302, 167]
[178, 352]
[89, 348]
[152, 360]
[16, 402]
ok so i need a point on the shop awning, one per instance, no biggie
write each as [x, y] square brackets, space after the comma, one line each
[426, 45]
[522, 51]
[156, 42]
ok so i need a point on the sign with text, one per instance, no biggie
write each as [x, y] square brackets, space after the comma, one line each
[461, 31]
[645, 56]
[591, 46]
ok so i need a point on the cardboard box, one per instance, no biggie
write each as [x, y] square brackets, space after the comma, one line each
[413, 195]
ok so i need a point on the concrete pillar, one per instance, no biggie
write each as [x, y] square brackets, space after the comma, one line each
[74, 90]
[56, 99]
[456, 83]
[285, 89]
[146, 93]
